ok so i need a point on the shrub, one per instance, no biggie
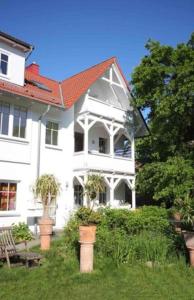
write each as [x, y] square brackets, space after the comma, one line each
[128, 236]
[21, 232]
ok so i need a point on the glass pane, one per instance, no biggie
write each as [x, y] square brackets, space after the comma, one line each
[3, 68]
[5, 124]
[49, 125]
[55, 126]
[48, 136]
[5, 108]
[23, 113]
[16, 126]
[12, 196]
[4, 57]
[22, 128]
[16, 111]
[55, 137]
[3, 196]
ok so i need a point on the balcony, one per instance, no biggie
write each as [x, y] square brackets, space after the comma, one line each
[102, 162]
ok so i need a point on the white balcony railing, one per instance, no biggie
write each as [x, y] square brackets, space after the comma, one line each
[104, 162]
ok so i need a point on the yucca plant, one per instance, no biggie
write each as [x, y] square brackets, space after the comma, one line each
[47, 188]
[94, 186]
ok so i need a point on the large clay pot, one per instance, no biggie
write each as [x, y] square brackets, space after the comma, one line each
[189, 241]
[46, 227]
[87, 234]
[87, 238]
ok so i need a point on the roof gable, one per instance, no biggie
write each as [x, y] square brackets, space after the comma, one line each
[74, 87]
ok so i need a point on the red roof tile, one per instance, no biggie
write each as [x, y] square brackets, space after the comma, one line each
[65, 93]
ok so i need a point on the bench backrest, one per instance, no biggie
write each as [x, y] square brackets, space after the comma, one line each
[7, 242]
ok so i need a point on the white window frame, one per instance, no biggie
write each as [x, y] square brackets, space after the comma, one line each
[58, 134]
[8, 64]
[10, 135]
[10, 182]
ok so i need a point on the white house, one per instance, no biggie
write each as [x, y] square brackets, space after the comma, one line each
[84, 124]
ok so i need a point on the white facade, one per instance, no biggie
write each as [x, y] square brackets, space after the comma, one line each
[98, 118]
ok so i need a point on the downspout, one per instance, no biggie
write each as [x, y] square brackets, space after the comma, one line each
[39, 139]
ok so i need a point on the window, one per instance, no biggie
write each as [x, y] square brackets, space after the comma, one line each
[78, 194]
[79, 141]
[19, 121]
[102, 145]
[4, 118]
[102, 197]
[52, 133]
[7, 196]
[3, 64]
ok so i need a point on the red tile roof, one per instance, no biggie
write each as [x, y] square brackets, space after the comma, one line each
[77, 85]
[65, 93]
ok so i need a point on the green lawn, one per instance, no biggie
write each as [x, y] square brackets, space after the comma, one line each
[59, 278]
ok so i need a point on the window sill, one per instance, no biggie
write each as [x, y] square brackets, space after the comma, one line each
[4, 76]
[52, 147]
[9, 213]
[12, 139]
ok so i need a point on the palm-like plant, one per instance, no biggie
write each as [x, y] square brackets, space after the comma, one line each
[47, 188]
[94, 186]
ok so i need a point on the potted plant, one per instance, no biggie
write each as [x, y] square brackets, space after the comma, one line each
[187, 213]
[88, 218]
[47, 189]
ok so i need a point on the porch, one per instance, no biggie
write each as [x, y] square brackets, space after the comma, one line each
[119, 191]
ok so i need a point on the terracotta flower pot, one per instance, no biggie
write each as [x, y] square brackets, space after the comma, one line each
[191, 256]
[46, 226]
[87, 234]
[87, 238]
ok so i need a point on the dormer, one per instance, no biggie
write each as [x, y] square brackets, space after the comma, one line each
[13, 54]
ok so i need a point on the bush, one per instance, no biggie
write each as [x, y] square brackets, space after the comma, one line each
[150, 218]
[128, 236]
[21, 232]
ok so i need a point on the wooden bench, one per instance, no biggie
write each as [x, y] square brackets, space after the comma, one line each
[8, 249]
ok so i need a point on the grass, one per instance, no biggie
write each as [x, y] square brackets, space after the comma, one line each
[59, 278]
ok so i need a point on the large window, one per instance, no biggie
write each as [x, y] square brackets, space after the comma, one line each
[19, 122]
[78, 195]
[4, 118]
[7, 196]
[52, 129]
[3, 64]
[19, 116]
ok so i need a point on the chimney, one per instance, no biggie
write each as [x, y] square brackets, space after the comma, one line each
[33, 68]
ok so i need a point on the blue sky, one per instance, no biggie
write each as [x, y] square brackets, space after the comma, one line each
[70, 36]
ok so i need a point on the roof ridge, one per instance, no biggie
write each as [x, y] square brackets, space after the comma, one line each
[113, 57]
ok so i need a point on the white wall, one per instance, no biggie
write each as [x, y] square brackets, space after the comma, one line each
[16, 64]
[18, 162]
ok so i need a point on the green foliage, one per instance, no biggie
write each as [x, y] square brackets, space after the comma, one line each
[86, 216]
[47, 188]
[167, 181]
[150, 218]
[93, 186]
[128, 236]
[164, 84]
[21, 232]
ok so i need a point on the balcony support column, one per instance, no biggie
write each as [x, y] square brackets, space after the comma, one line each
[86, 131]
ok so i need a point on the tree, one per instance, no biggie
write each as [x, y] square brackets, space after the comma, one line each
[163, 85]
